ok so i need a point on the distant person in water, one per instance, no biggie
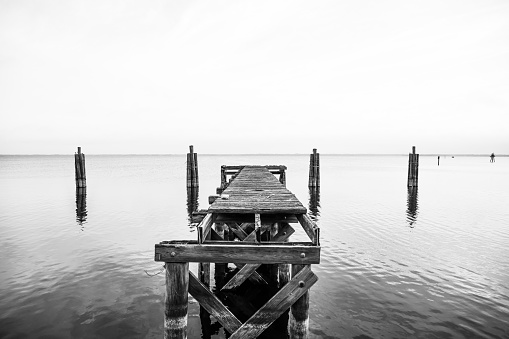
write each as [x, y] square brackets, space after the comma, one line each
[492, 156]
[438, 160]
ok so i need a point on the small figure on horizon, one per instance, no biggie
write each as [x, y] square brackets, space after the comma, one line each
[438, 160]
[492, 157]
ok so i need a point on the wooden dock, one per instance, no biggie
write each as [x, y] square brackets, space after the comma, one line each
[248, 226]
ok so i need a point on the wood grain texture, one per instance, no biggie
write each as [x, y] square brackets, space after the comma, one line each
[212, 304]
[239, 252]
[256, 190]
[175, 311]
[279, 303]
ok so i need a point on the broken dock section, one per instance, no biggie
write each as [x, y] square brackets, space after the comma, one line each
[247, 226]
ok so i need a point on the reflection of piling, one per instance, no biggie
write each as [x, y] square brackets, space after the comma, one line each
[192, 168]
[412, 205]
[314, 203]
[314, 169]
[79, 166]
[81, 205]
[192, 202]
[413, 168]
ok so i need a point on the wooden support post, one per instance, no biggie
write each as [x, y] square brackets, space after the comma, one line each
[413, 168]
[192, 168]
[175, 310]
[282, 176]
[80, 174]
[314, 169]
[298, 324]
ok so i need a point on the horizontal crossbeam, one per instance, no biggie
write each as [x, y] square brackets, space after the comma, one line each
[238, 251]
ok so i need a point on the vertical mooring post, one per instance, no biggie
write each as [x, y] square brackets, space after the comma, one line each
[413, 168]
[314, 169]
[298, 324]
[192, 168]
[80, 174]
[175, 308]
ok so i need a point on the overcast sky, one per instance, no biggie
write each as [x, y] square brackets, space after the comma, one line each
[254, 76]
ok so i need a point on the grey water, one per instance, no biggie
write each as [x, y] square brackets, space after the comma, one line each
[430, 263]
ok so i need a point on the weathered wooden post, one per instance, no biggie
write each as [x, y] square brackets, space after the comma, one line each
[192, 168]
[175, 310]
[413, 168]
[298, 325]
[80, 174]
[314, 169]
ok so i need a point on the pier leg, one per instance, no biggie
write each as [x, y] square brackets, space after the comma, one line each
[175, 310]
[80, 173]
[192, 168]
[298, 324]
[413, 168]
[314, 169]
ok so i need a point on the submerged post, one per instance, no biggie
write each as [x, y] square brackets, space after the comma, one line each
[314, 169]
[80, 174]
[175, 308]
[192, 168]
[413, 168]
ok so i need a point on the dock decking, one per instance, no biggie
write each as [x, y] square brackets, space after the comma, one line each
[247, 225]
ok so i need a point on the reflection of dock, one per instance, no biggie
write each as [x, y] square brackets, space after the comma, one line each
[248, 228]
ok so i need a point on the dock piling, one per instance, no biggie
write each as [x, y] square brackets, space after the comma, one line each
[192, 168]
[175, 310]
[314, 169]
[413, 168]
[298, 325]
[80, 174]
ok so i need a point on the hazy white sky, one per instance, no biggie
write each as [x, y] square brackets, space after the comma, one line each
[254, 76]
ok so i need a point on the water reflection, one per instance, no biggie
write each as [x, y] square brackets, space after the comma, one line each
[412, 206]
[192, 202]
[81, 206]
[314, 203]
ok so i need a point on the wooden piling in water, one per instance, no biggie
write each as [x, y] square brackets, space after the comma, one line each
[80, 174]
[314, 169]
[413, 168]
[298, 325]
[192, 168]
[175, 310]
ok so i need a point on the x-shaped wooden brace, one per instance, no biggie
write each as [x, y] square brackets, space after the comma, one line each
[265, 316]
[249, 270]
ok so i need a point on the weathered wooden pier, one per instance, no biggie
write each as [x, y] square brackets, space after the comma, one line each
[247, 225]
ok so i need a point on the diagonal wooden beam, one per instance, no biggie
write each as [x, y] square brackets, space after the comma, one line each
[284, 232]
[241, 276]
[279, 303]
[254, 276]
[212, 304]
[309, 227]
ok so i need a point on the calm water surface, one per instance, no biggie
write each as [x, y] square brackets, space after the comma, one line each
[395, 264]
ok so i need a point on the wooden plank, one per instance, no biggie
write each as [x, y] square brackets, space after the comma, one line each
[206, 225]
[240, 252]
[266, 218]
[212, 304]
[279, 303]
[308, 225]
[241, 276]
[284, 232]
